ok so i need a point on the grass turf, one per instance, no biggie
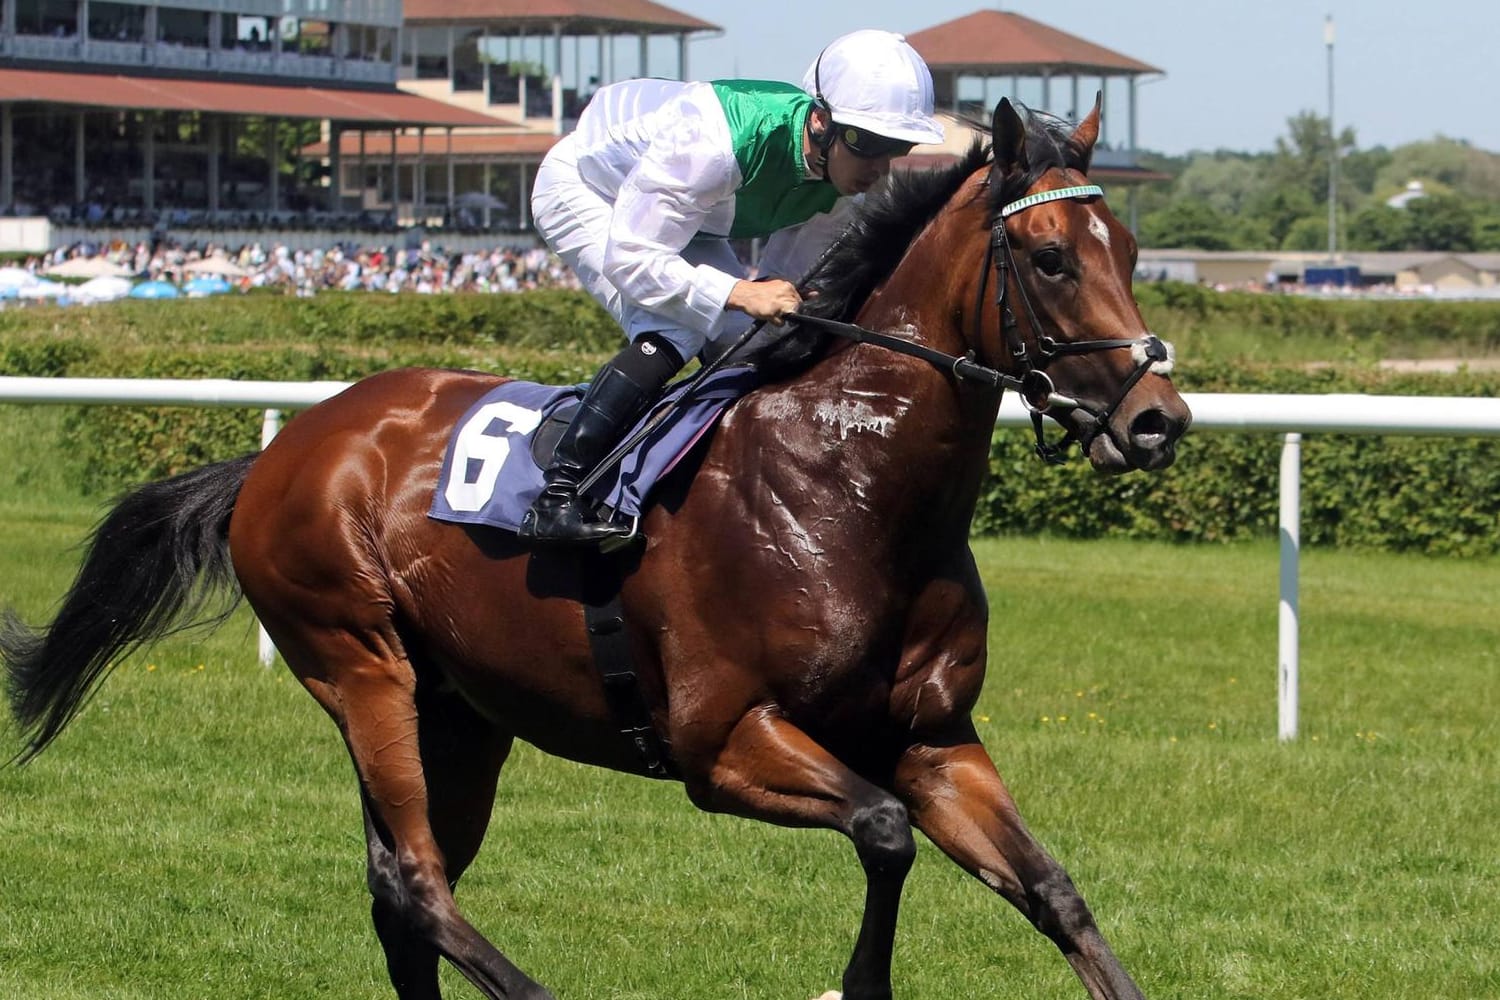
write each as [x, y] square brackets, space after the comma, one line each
[196, 832]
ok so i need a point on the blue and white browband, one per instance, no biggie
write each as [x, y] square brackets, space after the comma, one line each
[1081, 191]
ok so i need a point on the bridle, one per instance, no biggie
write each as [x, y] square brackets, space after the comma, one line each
[1033, 385]
[1037, 391]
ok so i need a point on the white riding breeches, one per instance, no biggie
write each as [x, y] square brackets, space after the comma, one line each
[575, 220]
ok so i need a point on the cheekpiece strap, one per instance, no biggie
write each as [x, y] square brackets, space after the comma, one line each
[1041, 197]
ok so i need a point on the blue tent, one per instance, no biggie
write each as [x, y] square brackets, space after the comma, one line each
[155, 290]
[208, 284]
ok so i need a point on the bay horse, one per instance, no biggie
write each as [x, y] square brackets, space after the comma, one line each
[805, 615]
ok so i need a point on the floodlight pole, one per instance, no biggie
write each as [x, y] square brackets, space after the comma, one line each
[1333, 150]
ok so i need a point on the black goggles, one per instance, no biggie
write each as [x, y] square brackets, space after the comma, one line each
[869, 145]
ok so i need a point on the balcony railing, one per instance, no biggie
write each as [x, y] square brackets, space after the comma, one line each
[115, 53]
[170, 56]
[166, 55]
[44, 47]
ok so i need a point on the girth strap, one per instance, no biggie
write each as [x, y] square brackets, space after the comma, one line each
[604, 617]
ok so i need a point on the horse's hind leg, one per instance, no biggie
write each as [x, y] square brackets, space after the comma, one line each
[770, 770]
[461, 757]
[957, 798]
[414, 809]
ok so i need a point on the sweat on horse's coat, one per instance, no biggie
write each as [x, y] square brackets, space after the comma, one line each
[806, 614]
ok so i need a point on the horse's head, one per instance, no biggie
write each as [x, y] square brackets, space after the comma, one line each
[1069, 325]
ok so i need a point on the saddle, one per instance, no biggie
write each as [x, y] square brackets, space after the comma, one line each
[492, 468]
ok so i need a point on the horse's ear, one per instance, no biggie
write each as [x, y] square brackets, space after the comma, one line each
[1008, 138]
[1086, 133]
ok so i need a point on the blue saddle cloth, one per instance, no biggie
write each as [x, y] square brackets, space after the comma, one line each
[490, 475]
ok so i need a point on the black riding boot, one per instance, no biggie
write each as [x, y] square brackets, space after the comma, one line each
[622, 389]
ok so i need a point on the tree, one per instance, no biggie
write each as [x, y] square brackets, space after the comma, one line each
[1187, 223]
[1487, 228]
[1447, 163]
[1380, 227]
[1301, 157]
[1226, 182]
[1359, 171]
[1240, 200]
[1279, 208]
[1307, 233]
[1441, 222]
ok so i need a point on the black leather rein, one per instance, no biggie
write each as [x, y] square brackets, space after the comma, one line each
[1033, 385]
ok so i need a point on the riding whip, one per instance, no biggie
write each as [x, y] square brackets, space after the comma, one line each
[625, 447]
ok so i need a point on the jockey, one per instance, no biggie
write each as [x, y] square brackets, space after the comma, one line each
[642, 199]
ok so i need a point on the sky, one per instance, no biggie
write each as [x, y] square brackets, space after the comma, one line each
[1403, 71]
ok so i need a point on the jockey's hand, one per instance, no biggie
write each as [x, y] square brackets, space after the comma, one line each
[770, 300]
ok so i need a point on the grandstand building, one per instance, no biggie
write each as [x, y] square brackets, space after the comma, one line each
[332, 117]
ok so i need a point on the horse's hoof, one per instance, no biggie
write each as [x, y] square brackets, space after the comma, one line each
[831, 995]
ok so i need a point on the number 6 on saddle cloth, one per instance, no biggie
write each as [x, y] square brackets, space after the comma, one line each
[492, 469]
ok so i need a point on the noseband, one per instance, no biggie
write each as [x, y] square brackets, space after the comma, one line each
[1036, 390]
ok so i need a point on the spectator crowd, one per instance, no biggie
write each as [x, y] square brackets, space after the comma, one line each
[423, 269]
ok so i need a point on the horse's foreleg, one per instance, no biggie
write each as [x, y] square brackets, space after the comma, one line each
[770, 770]
[959, 801]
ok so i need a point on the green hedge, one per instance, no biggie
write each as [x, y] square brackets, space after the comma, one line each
[1282, 326]
[558, 336]
[1437, 495]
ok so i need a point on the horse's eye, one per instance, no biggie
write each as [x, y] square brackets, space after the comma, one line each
[1048, 260]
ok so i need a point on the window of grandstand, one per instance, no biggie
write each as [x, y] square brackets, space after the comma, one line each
[315, 38]
[252, 33]
[188, 28]
[116, 22]
[425, 54]
[468, 62]
[369, 42]
[55, 18]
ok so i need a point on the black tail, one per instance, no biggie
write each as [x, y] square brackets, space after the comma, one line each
[153, 561]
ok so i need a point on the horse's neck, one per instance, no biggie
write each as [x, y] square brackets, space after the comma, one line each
[941, 427]
[871, 437]
[931, 293]
[885, 438]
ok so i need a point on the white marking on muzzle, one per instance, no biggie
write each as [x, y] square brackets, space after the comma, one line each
[1138, 355]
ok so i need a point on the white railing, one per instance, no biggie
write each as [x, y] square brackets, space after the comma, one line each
[1290, 415]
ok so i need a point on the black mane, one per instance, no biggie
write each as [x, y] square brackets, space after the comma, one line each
[877, 237]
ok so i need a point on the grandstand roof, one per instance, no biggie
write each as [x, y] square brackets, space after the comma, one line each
[388, 107]
[575, 16]
[998, 42]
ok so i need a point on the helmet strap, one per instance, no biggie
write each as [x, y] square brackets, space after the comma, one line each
[823, 143]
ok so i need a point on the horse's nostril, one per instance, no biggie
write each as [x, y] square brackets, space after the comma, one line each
[1150, 424]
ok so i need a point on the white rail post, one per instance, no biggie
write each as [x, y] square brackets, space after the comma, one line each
[269, 425]
[1291, 534]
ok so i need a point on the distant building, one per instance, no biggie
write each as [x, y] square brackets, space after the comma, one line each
[146, 117]
[1433, 272]
[532, 65]
[1414, 190]
[141, 107]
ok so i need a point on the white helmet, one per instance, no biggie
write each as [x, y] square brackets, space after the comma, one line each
[874, 80]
